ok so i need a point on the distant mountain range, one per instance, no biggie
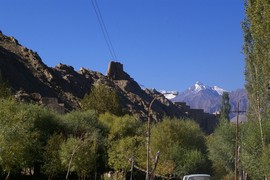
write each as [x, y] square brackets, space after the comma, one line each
[201, 96]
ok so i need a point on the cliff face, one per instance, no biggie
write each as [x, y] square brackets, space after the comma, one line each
[31, 80]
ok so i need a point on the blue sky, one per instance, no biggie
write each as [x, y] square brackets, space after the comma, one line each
[163, 44]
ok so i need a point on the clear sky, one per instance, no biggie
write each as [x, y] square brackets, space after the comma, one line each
[163, 44]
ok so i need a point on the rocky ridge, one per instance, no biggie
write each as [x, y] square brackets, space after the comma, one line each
[31, 80]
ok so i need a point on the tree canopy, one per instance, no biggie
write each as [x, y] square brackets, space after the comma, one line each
[178, 156]
[102, 99]
[256, 27]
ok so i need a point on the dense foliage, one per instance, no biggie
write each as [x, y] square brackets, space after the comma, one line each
[125, 140]
[221, 147]
[102, 99]
[256, 49]
[38, 142]
[182, 147]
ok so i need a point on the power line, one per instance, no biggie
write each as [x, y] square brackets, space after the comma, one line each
[104, 29]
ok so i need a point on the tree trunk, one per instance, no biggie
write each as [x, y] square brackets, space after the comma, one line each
[7, 177]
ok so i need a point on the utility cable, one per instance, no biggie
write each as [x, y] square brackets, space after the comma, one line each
[104, 29]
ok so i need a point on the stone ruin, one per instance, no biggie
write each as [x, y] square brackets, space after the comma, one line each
[206, 121]
[52, 103]
[116, 71]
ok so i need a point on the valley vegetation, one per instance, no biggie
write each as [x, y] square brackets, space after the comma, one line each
[85, 144]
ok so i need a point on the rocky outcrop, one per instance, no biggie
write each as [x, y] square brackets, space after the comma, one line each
[33, 81]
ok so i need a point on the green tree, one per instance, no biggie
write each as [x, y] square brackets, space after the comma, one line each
[78, 154]
[67, 151]
[225, 106]
[31, 138]
[44, 123]
[52, 163]
[16, 139]
[83, 151]
[86, 157]
[77, 123]
[122, 150]
[182, 147]
[102, 99]
[256, 27]
[24, 132]
[252, 151]
[265, 161]
[255, 158]
[221, 148]
[126, 139]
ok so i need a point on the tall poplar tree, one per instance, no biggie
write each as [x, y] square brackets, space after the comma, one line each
[225, 106]
[256, 27]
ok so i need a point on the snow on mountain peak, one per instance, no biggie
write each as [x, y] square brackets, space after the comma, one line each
[199, 86]
[196, 88]
[219, 90]
[169, 94]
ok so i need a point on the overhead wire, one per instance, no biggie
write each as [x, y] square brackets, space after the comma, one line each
[104, 29]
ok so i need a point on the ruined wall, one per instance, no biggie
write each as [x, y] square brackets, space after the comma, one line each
[52, 104]
[206, 121]
[116, 72]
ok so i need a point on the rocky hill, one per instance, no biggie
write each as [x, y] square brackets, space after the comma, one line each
[32, 80]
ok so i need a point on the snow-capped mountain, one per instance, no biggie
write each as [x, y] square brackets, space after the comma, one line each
[169, 94]
[198, 87]
[201, 96]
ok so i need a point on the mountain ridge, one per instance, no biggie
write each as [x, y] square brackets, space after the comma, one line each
[61, 88]
[31, 80]
[201, 96]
